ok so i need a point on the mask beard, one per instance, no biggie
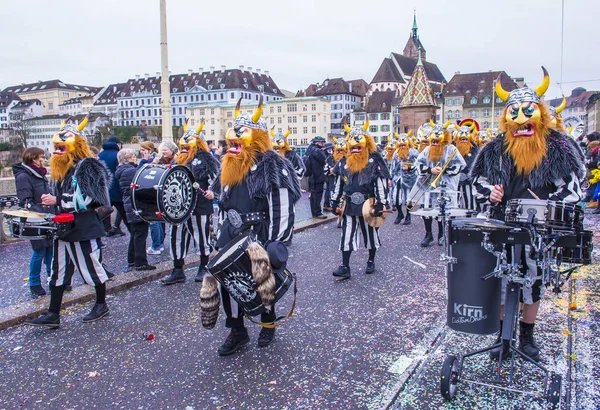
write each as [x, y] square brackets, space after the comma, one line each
[435, 152]
[60, 164]
[402, 152]
[183, 159]
[389, 154]
[235, 167]
[463, 147]
[337, 155]
[357, 162]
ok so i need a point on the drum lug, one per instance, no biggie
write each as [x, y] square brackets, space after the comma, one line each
[156, 187]
[450, 260]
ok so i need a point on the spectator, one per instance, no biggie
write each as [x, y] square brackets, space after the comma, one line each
[138, 228]
[148, 153]
[221, 149]
[109, 155]
[211, 146]
[31, 182]
[315, 170]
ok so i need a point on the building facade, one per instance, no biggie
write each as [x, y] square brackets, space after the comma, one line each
[380, 113]
[306, 117]
[51, 93]
[593, 114]
[8, 100]
[576, 111]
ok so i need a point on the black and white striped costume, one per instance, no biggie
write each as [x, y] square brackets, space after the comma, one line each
[269, 191]
[403, 180]
[196, 229]
[84, 188]
[297, 162]
[370, 182]
[556, 179]
[465, 185]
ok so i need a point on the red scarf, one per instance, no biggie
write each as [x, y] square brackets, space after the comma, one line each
[42, 171]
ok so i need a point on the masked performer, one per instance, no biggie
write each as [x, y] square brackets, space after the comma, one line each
[194, 154]
[463, 139]
[421, 141]
[430, 163]
[81, 185]
[363, 174]
[258, 189]
[404, 174]
[281, 146]
[328, 169]
[528, 156]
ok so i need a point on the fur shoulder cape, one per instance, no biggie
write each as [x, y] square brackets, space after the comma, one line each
[271, 171]
[93, 179]
[204, 164]
[295, 159]
[497, 166]
[376, 168]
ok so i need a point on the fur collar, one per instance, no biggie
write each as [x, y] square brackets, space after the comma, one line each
[203, 165]
[376, 168]
[497, 166]
[93, 179]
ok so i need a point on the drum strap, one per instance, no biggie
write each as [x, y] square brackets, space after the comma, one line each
[277, 322]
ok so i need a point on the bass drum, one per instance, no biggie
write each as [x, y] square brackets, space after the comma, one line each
[163, 193]
[473, 304]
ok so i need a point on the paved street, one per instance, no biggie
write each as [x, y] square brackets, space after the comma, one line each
[349, 345]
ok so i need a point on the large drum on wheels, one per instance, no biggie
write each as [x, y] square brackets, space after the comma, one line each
[473, 304]
[163, 193]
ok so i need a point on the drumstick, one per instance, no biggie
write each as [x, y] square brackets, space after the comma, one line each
[533, 193]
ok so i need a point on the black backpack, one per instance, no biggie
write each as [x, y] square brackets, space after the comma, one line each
[307, 165]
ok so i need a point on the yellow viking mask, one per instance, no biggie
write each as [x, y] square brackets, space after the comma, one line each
[360, 146]
[404, 143]
[555, 117]
[190, 143]
[390, 147]
[340, 148]
[463, 138]
[70, 145]
[279, 141]
[438, 139]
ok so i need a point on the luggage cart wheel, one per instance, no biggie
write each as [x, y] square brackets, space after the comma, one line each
[449, 377]
[553, 392]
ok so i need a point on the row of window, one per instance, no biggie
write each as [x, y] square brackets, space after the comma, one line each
[474, 113]
[473, 100]
[184, 99]
[379, 128]
[341, 106]
[341, 98]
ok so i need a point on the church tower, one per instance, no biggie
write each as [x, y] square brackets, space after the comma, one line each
[414, 44]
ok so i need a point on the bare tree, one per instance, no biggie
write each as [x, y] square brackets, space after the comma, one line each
[23, 128]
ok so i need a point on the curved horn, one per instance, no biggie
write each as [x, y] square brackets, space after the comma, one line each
[447, 124]
[83, 123]
[501, 92]
[541, 90]
[562, 105]
[259, 110]
[347, 128]
[65, 122]
[200, 127]
[431, 123]
[409, 133]
[273, 131]
[237, 108]
[472, 127]
[287, 133]
[185, 124]
[365, 125]
[397, 136]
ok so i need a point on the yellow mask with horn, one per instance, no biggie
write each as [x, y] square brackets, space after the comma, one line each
[390, 147]
[404, 143]
[70, 146]
[190, 143]
[246, 140]
[555, 117]
[360, 146]
[279, 141]
[463, 138]
[340, 148]
[526, 124]
[438, 138]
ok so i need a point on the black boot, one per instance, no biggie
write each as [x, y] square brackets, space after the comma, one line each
[98, 312]
[176, 276]
[407, 219]
[49, 319]
[236, 339]
[266, 337]
[201, 272]
[370, 267]
[526, 343]
[399, 217]
[505, 349]
[427, 240]
[342, 272]
[37, 291]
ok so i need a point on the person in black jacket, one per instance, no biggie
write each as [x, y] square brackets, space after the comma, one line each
[31, 182]
[80, 186]
[137, 257]
[109, 153]
[316, 169]
[195, 155]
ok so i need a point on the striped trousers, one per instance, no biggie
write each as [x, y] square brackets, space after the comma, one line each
[84, 255]
[467, 197]
[196, 229]
[399, 194]
[351, 225]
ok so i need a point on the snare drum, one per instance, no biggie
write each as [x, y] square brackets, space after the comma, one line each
[473, 304]
[31, 228]
[545, 214]
[163, 193]
[232, 268]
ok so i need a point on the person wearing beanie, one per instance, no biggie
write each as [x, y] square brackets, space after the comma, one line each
[109, 156]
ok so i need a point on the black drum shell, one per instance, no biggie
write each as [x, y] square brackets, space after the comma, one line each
[473, 304]
[29, 229]
[578, 250]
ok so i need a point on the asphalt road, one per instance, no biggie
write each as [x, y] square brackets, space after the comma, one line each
[349, 345]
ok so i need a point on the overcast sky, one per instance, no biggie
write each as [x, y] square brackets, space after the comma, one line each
[299, 42]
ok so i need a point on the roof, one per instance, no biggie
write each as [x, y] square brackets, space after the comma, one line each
[28, 103]
[336, 86]
[380, 101]
[477, 84]
[76, 100]
[48, 117]
[418, 91]
[408, 64]
[579, 97]
[387, 73]
[209, 80]
[49, 85]
[6, 98]
[359, 86]
[93, 117]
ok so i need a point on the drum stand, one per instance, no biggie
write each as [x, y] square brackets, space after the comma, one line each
[446, 258]
[452, 367]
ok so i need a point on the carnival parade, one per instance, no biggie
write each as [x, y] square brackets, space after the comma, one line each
[211, 241]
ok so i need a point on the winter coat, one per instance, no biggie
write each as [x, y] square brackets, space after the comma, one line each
[317, 164]
[109, 156]
[124, 176]
[30, 187]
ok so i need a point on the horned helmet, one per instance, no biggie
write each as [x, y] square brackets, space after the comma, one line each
[404, 143]
[422, 136]
[70, 145]
[279, 141]
[390, 147]
[340, 148]
[360, 145]
[439, 134]
[463, 138]
[190, 142]
[555, 117]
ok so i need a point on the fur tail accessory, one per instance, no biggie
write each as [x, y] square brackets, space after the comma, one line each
[209, 302]
[263, 274]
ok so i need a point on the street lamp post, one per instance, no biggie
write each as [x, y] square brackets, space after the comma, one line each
[165, 87]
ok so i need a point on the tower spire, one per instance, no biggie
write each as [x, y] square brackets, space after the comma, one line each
[414, 27]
